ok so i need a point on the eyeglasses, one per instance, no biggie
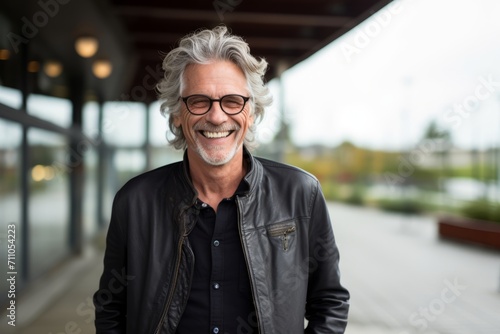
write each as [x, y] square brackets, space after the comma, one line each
[201, 104]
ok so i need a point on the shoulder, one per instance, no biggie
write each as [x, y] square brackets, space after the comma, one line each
[289, 189]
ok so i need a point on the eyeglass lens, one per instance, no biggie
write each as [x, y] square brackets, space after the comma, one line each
[200, 104]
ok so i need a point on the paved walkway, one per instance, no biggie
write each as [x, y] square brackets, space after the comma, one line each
[402, 278]
[60, 302]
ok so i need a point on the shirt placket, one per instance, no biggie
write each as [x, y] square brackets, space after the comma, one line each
[217, 274]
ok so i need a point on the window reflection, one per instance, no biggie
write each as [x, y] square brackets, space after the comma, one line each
[127, 163]
[49, 202]
[91, 119]
[10, 97]
[124, 123]
[10, 194]
[161, 152]
[90, 195]
[52, 109]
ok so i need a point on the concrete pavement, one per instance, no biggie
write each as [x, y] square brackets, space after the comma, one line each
[403, 279]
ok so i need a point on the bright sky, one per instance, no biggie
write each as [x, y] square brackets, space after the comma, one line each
[381, 84]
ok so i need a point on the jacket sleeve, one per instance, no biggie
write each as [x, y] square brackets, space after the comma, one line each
[110, 298]
[327, 303]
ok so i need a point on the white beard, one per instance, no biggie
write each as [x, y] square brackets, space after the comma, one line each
[217, 159]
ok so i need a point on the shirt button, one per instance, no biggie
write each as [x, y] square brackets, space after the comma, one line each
[215, 330]
[204, 205]
[216, 286]
[216, 243]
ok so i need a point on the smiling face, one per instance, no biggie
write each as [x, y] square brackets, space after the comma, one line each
[214, 138]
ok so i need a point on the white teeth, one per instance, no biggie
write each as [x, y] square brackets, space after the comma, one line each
[209, 134]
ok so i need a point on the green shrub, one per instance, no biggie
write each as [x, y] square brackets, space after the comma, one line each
[356, 197]
[482, 209]
[406, 206]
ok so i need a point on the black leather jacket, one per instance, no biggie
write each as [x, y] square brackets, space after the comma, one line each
[287, 241]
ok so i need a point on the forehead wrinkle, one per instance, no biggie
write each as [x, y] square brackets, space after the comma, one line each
[215, 83]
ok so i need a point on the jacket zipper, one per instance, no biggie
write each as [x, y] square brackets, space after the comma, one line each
[246, 262]
[282, 232]
[172, 287]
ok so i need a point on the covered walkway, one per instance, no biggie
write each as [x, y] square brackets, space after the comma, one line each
[402, 278]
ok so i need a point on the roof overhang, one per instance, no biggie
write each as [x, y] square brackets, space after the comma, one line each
[133, 34]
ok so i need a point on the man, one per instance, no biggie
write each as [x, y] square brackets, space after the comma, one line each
[221, 242]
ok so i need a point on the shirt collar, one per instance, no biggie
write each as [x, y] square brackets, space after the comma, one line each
[243, 187]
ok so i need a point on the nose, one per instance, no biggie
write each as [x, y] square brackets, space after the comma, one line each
[216, 115]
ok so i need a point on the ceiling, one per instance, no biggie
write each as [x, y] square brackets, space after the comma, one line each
[282, 31]
[134, 33]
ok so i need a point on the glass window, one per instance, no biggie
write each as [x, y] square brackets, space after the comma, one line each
[161, 151]
[110, 184]
[158, 126]
[90, 128]
[127, 164]
[10, 97]
[49, 203]
[124, 123]
[52, 109]
[91, 119]
[90, 194]
[10, 196]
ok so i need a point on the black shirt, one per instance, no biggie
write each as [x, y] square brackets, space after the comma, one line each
[220, 301]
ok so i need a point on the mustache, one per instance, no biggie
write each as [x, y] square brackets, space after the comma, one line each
[207, 126]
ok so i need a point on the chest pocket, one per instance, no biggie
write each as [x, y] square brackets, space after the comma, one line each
[284, 232]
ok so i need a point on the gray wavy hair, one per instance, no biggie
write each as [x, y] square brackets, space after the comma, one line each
[203, 47]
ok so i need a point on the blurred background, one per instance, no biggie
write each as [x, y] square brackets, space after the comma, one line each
[393, 105]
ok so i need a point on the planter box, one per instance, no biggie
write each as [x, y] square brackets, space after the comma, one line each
[470, 230]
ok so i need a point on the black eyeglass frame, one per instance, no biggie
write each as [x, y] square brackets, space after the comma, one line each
[245, 100]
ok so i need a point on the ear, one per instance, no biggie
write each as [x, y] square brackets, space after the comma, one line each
[176, 118]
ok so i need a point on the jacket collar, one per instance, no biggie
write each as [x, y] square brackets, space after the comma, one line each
[254, 172]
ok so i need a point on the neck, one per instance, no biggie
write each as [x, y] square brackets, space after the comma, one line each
[214, 183]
